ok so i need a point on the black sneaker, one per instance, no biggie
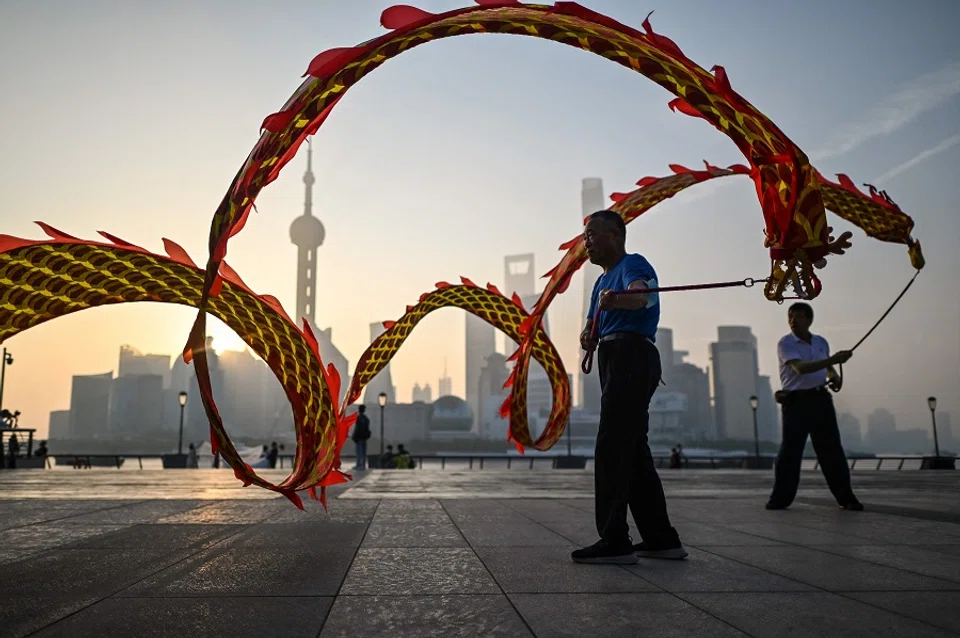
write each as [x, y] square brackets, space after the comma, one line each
[775, 506]
[600, 553]
[676, 552]
[854, 506]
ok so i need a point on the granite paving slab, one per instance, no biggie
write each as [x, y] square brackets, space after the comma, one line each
[703, 571]
[550, 570]
[438, 616]
[802, 614]
[250, 571]
[153, 536]
[238, 617]
[400, 571]
[829, 571]
[941, 609]
[627, 615]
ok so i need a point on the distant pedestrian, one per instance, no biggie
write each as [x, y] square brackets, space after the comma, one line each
[806, 370]
[273, 455]
[361, 434]
[193, 461]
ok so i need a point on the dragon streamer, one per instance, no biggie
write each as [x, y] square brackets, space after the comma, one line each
[44, 279]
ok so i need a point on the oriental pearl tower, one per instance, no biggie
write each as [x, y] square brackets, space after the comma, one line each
[307, 234]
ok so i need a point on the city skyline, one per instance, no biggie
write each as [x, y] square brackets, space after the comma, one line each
[888, 118]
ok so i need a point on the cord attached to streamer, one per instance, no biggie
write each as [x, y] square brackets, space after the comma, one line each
[587, 364]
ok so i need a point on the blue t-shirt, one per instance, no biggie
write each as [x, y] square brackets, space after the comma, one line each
[643, 321]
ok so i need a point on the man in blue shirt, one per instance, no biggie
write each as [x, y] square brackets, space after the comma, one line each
[806, 369]
[630, 370]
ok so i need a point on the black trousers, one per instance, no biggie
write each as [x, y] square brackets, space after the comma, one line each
[624, 471]
[810, 412]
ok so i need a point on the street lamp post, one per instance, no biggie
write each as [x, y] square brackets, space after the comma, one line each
[5, 360]
[182, 398]
[754, 402]
[932, 404]
[382, 400]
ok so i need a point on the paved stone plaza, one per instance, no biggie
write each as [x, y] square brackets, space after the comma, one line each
[469, 553]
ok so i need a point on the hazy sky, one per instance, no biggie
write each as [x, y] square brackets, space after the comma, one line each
[133, 117]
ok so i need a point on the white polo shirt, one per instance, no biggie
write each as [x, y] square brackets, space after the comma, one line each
[791, 348]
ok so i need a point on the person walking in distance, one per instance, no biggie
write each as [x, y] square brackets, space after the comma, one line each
[361, 434]
[806, 370]
[630, 370]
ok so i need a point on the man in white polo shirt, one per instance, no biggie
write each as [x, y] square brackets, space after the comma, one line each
[806, 369]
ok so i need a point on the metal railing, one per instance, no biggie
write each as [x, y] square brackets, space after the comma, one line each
[480, 460]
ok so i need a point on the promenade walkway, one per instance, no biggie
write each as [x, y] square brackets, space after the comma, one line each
[469, 553]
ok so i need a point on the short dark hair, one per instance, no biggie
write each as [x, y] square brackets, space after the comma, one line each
[805, 308]
[613, 218]
[361, 408]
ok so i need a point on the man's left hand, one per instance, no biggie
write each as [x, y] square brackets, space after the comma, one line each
[836, 383]
[607, 299]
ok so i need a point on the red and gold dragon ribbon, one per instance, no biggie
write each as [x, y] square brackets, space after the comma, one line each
[40, 280]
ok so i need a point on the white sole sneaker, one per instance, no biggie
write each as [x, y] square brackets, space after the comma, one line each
[677, 553]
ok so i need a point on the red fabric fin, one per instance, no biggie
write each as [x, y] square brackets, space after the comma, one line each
[684, 107]
[662, 42]
[498, 3]
[389, 324]
[524, 327]
[330, 61]
[274, 303]
[494, 289]
[517, 300]
[311, 339]
[514, 356]
[333, 382]
[467, 282]
[9, 242]
[618, 197]
[335, 478]
[276, 122]
[722, 82]
[323, 498]
[519, 447]
[505, 408]
[424, 296]
[117, 241]
[176, 252]
[54, 233]
[409, 308]
[564, 284]
[312, 493]
[509, 382]
[680, 169]
[217, 286]
[231, 275]
[442, 284]
[294, 498]
[401, 16]
[739, 169]
[567, 245]
[648, 181]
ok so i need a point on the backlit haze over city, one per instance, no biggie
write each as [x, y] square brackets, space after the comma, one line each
[133, 119]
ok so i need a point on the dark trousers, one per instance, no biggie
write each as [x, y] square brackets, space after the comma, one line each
[810, 412]
[624, 472]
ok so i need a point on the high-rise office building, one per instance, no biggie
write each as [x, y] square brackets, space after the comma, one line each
[735, 380]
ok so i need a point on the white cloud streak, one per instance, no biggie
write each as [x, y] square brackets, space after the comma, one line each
[919, 158]
[913, 100]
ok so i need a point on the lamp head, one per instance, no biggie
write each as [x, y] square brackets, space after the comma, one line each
[382, 399]
[932, 403]
[182, 398]
[754, 402]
